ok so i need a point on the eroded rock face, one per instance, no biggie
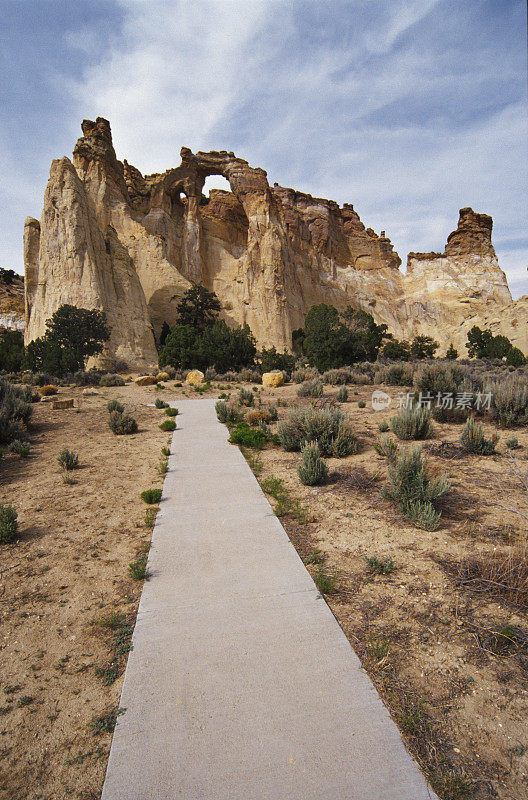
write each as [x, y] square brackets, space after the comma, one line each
[129, 244]
[444, 290]
[81, 264]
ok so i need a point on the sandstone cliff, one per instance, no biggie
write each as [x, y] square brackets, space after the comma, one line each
[12, 303]
[113, 239]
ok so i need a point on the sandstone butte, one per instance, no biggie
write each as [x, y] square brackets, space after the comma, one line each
[131, 245]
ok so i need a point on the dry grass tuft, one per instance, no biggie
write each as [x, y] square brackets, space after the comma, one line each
[502, 575]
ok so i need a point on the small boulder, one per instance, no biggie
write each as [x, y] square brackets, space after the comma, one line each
[145, 380]
[90, 392]
[62, 404]
[195, 377]
[163, 376]
[272, 379]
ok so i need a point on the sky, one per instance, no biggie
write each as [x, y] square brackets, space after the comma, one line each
[409, 109]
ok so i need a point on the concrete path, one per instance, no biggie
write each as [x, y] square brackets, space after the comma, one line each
[241, 684]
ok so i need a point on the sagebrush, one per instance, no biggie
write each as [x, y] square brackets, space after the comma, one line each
[327, 426]
[474, 440]
[412, 422]
[68, 460]
[311, 388]
[414, 491]
[122, 424]
[8, 524]
[312, 470]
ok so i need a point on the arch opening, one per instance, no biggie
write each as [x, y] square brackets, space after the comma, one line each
[215, 182]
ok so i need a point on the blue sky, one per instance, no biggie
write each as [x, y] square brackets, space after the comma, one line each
[409, 109]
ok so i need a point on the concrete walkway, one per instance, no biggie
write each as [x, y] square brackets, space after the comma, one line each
[241, 684]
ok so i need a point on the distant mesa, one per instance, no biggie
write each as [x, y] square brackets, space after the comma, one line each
[132, 244]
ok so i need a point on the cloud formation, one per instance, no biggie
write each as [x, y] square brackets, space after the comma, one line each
[409, 110]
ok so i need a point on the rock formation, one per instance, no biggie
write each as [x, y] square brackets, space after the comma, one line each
[131, 245]
[12, 303]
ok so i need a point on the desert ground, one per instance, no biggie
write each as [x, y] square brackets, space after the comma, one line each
[447, 651]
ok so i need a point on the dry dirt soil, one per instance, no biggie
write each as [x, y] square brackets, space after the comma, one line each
[436, 646]
[68, 571]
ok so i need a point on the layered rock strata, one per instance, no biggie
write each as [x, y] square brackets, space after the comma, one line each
[131, 245]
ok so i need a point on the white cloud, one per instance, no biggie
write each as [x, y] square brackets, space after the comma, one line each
[173, 76]
[356, 101]
[398, 18]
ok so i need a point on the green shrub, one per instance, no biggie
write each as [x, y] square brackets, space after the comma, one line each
[423, 346]
[243, 435]
[111, 380]
[274, 414]
[441, 382]
[396, 350]
[360, 378]
[68, 460]
[313, 388]
[509, 401]
[8, 524]
[246, 397]
[516, 357]
[172, 412]
[386, 447]
[421, 514]
[115, 405]
[327, 426]
[325, 582]
[107, 722]
[168, 425]
[342, 394]
[271, 360]
[151, 496]
[332, 339]
[72, 334]
[138, 569]
[379, 566]
[42, 378]
[214, 345]
[412, 422]
[452, 353]
[227, 414]
[337, 377]
[122, 424]
[435, 378]
[312, 470]
[414, 491]
[15, 411]
[399, 374]
[21, 449]
[383, 426]
[362, 404]
[11, 350]
[474, 441]
[512, 443]
[160, 403]
[303, 374]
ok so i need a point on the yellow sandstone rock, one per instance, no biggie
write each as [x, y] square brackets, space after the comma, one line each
[163, 376]
[270, 252]
[272, 379]
[195, 377]
[145, 380]
[62, 404]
